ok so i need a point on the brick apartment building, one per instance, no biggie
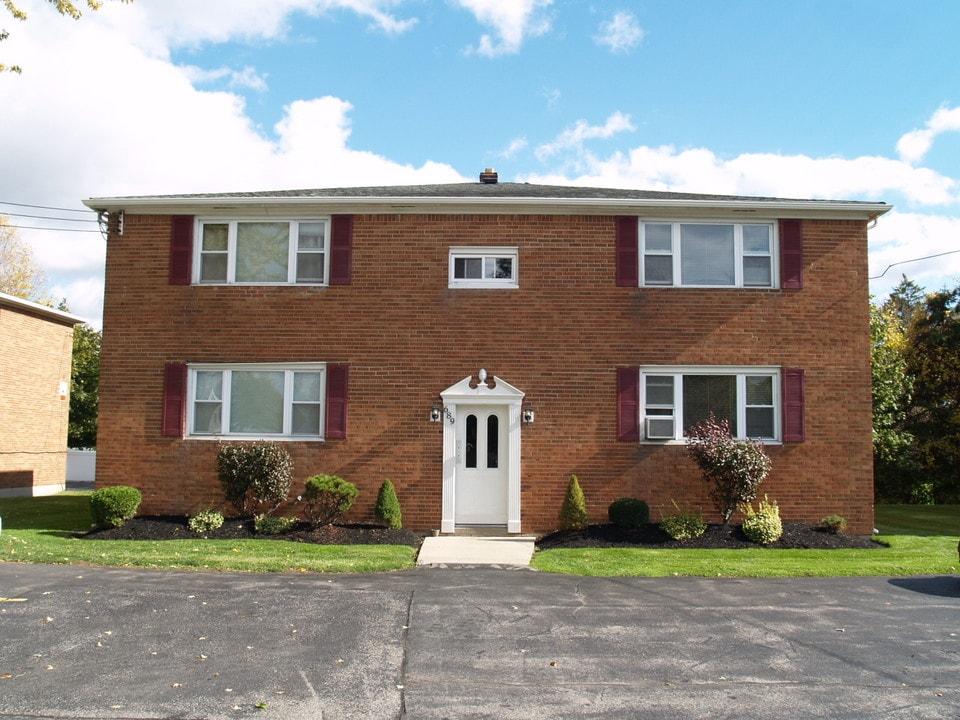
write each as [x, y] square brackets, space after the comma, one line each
[479, 343]
[36, 350]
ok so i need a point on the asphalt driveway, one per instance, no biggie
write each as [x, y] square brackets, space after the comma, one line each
[473, 643]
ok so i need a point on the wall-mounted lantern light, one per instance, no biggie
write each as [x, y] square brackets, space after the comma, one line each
[528, 414]
[437, 413]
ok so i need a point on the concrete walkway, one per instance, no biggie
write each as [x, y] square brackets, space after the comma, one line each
[475, 550]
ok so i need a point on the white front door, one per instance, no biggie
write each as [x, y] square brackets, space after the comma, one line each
[482, 464]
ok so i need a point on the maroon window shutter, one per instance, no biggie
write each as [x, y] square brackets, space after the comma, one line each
[628, 252]
[793, 405]
[337, 376]
[181, 250]
[628, 403]
[174, 398]
[341, 249]
[791, 254]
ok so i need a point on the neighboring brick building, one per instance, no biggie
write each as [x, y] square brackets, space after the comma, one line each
[354, 324]
[36, 349]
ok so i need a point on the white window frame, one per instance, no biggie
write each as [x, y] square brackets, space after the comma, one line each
[227, 369]
[484, 253]
[231, 252]
[738, 252]
[677, 372]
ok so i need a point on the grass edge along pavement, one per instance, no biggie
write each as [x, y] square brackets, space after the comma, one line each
[46, 530]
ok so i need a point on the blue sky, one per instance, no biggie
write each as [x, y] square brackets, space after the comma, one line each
[844, 99]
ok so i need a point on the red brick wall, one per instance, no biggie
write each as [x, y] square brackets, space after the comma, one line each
[558, 338]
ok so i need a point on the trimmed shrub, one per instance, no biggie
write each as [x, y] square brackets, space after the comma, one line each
[272, 525]
[328, 497]
[628, 513]
[205, 521]
[254, 475]
[685, 524]
[113, 506]
[834, 524]
[573, 512]
[387, 508]
[733, 468]
[762, 526]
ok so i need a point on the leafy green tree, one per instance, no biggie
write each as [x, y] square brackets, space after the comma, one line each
[84, 388]
[933, 360]
[20, 275]
[64, 7]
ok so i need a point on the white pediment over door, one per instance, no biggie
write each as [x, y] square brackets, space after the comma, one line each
[502, 391]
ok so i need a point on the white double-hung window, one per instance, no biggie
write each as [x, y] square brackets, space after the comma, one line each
[477, 267]
[262, 252]
[256, 400]
[673, 399]
[708, 254]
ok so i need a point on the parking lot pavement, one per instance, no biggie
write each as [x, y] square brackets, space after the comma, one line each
[473, 643]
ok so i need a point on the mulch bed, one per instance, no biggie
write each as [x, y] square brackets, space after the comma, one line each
[163, 527]
[795, 535]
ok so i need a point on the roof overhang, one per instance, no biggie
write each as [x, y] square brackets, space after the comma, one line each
[32, 308]
[706, 206]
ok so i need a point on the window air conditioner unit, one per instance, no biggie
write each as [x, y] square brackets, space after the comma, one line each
[659, 428]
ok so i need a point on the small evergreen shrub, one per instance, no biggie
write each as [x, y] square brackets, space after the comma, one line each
[328, 497]
[387, 508]
[733, 468]
[272, 525]
[834, 524]
[573, 512]
[685, 524]
[254, 475]
[205, 521]
[762, 526]
[113, 506]
[628, 513]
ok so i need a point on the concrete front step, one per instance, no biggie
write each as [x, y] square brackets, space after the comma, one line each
[476, 550]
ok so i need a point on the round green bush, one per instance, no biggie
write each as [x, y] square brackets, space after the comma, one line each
[387, 508]
[205, 521]
[834, 524]
[762, 526]
[328, 497]
[113, 506]
[685, 524]
[628, 513]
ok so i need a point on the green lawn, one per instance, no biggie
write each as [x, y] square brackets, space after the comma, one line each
[47, 530]
[921, 539]
[917, 519]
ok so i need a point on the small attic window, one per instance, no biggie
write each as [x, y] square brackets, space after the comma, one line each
[483, 268]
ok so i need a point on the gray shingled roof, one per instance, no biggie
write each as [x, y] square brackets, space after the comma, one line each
[469, 190]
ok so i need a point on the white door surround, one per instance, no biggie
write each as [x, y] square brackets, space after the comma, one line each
[481, 399]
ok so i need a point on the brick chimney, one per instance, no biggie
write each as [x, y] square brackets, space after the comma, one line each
[489, 177]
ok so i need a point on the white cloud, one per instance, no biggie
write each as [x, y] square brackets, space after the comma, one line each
[246, 78]
[161, 26]
[914, 145]
[621, 33]
[108, 114]
[768, 174]
[515, 146]
[914, 245]
[512, 20]
[575, 137]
